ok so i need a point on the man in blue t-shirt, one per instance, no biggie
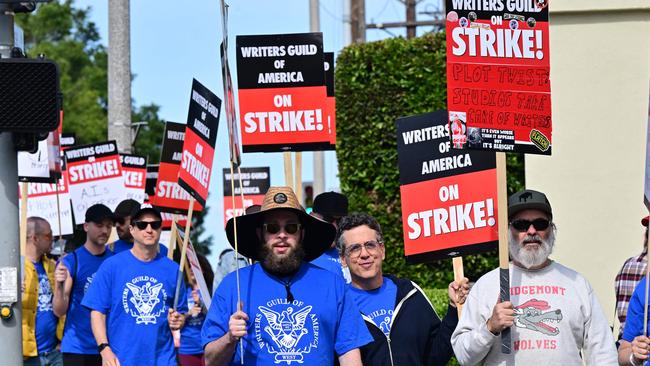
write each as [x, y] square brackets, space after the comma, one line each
[73, 276]
[402, 321]
[331, 207]
[131, 300]
[124, 211]
[39, 321]
[635, 346]
[290, 311]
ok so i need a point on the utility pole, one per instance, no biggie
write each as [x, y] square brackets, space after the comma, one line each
[10, 329]
[319, 156]
[358, 20]
[119, 74]
[410, 18]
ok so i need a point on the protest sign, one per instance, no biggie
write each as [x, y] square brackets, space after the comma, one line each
[68, 139]
[282, 92]
[200, 139]
[44, 165]
[95, 176]
[134, 169]
[150, 184]
[42, 202]
[330, 101]
[255, 183]
[449, 200]
[498, 88]
[169, 196]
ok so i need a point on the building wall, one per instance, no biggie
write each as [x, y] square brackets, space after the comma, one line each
[600, 80]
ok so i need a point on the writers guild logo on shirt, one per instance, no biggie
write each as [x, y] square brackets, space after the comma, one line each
[44, 295]
[144, 299]
[291, 328]
[383, 319]
[89, 281]
[533, 315]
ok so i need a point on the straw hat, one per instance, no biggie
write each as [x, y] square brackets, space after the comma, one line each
[319, 234]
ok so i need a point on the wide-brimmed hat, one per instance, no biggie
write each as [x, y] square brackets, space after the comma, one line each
[529, 199]
[318, 237]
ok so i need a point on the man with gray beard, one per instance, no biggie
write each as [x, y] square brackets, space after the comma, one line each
[553, 313]
[291, 311]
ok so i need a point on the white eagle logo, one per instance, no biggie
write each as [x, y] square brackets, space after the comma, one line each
[286, 328]
[145, 299]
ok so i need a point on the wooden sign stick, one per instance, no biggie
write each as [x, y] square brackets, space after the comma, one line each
[298, 182]
[172, 241]
[188, 224]
[234, 225]
[504, 259]
[288, 169]
[23, 226]
[459, 273]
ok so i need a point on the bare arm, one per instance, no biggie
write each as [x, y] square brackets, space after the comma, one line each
[98, 325]
[638, 347]
[62, 291]
[219, 352]
[351, 358]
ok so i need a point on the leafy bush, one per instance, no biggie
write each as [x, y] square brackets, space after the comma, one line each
[376, 83]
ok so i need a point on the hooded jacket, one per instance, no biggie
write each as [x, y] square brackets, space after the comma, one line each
[417, 336]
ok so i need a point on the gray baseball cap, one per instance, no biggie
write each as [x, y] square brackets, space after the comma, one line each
[529, 199]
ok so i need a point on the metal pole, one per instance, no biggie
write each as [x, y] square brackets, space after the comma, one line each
[319, 156]
[10, 330]
[119, 74]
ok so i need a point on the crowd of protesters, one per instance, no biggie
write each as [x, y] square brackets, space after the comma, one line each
[315, 294]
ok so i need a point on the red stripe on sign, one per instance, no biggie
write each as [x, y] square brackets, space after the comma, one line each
[97, 169]
[449, 212]
[196, 164]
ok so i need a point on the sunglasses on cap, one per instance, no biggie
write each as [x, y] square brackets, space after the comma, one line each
[142, 225]
[522, 225]
[273, 228]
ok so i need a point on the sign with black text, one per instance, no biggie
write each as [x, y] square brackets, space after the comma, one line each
[134, 169]
[282, 93]
[200, 139]
[42, 201]
[449, 197]
[498, 87]
[255, 183]
[95, 176]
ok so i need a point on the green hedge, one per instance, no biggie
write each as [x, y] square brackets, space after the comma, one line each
[439, 299]
[376, 83]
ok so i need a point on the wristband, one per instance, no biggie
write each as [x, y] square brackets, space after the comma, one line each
[101, 346]
[632, 360]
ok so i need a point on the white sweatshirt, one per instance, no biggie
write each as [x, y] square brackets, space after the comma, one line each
[557, 315]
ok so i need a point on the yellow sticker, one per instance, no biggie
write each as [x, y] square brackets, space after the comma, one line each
[539, 139]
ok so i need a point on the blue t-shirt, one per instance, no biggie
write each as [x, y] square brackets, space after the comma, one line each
[377, 304]
[45, 329]
[191, 332]
[331, 261]
[122, 245]
[136, 296]
[78, 335]
[320, 322]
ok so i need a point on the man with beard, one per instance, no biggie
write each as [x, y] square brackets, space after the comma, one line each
[73, 276]
[553, 312]
[290, 310]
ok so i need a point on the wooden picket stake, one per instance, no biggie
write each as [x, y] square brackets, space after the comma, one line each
[188, 224]
[298, 182]
[288, 169]
[459, 274]
[504, 259]
[58, 210]
[234, 225]
[172, 241]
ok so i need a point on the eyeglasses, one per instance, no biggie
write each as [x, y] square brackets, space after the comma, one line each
[354, 251]
[523, 225]
[142, 225]
[273, 228]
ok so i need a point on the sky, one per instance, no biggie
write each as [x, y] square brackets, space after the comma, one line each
[175, 41]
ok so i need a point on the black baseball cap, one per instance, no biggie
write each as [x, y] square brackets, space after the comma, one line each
[331, 204]
[98, 213]
[128, 207]
[529, 199]
[146, 210]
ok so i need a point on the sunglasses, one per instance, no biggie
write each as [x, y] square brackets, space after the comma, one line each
[273, 228]
[523, 225]
[142, 225]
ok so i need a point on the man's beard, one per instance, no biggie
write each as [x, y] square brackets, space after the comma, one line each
[282, 265]
[531, 257]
